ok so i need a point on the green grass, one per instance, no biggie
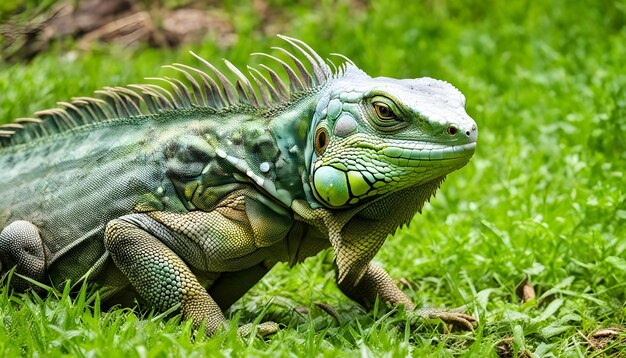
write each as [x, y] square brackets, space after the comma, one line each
[544, 195]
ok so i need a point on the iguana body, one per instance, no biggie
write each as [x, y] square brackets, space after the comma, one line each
[190, 195]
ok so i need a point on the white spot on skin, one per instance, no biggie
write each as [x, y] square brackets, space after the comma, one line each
[160, 190]
[264, 167]
[220, 153]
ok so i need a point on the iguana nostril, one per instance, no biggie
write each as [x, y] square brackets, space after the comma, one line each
[467, 133]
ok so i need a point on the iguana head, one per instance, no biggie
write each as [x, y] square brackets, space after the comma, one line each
[374, 136]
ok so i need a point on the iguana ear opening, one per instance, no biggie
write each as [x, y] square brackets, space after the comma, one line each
[321, 140]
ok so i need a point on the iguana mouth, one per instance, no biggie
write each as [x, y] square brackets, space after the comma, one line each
[418, 152]
[452, 152]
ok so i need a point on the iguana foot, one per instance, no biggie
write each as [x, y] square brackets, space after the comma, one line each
[456, 319]
[262, 329]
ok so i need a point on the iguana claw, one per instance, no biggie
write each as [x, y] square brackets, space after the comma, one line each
[457, 319]
[262, 329]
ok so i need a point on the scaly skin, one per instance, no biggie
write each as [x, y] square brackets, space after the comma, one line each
[189, 196]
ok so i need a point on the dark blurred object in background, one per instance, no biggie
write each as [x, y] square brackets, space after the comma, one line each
[25, 31]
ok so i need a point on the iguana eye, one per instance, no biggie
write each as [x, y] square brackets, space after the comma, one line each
[383, 111]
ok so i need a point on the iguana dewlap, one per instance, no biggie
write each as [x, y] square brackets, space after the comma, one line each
[187, 194]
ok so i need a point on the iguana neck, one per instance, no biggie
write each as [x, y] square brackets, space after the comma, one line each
[262, 148]
[291, 131]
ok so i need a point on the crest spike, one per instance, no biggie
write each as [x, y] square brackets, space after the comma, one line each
[152, 98]
[320, 61]
[275, 96]
[334, 69]
[147, 98]
[317, 64]
[304, 74]
[259, 85]
[67, 105]
[213, 94]
[151, 102]
[242, 93]
[107, 110]
[194, 84]
[130, 95]
[231, 97]
[129, 100]
[294, 82]
[59, 114]
[182, 92]
[50, 118]
[122, 102]
[89, 99]
[94, 106]
[113, 110]
[278, 83]
[85, 107]
[29, 120]
[344, 58]
[216, 93]
[177, 97]
[76, 110]
[244, 83]
[114, 102]
[158, 99]
[161, 94]
[12, 126]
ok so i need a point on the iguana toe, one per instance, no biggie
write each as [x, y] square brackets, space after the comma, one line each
[262, 329]
[456, 319]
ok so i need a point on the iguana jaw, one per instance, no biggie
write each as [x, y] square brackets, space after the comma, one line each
[350, 177]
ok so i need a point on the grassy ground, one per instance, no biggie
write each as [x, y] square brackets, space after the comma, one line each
[544, 197]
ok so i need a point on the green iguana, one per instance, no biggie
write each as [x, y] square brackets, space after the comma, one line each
[188, 194]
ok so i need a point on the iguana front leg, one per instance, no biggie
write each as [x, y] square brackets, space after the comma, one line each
[235, 239]
[158, 274]
[355, 241]
[376, 282]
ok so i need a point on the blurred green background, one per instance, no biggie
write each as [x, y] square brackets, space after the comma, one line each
[544, 197]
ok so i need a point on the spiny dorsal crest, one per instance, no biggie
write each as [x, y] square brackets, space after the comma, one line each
[196, 89]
